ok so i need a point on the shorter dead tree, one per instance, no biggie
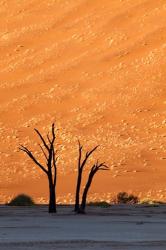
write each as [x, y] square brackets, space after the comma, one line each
[50, 168]
[96, 167]
[81, 165]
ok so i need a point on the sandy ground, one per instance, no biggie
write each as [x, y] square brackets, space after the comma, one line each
[97, 68]
[117, 227]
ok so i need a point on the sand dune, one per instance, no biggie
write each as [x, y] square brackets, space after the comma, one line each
[97, 68]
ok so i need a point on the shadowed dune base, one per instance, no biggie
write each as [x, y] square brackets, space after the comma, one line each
[97, 68]
[117, 227]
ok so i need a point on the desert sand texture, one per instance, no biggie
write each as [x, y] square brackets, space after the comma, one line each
[113, 228]
[96, 68]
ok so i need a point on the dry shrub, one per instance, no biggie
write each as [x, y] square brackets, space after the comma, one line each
[21, 200]
[125, 198]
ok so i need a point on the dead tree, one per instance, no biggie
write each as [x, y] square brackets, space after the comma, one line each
[96, 167]
[50, 168]
[81, 165]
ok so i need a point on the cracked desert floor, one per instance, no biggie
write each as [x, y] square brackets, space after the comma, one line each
[96, 68]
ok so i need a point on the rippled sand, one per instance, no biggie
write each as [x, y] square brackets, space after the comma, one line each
[97, 68]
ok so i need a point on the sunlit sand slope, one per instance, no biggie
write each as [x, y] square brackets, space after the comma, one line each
[96, 68]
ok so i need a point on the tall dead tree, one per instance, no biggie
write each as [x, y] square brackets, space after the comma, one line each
[50, 168]
[81, 165]
[96, 167]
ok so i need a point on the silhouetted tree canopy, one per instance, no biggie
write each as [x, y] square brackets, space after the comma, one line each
[50, 168]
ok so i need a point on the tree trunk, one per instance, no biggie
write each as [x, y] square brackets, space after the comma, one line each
[77, 199]
[85, 193]
[52, 197]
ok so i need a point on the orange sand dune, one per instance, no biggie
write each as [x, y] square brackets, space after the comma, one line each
[97, 68]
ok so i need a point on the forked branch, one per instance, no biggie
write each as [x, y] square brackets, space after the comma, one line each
[81, 165]
[29, 153]
[95, 168]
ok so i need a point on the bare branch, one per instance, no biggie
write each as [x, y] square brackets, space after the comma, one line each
[54, 158]
[91, 151]
[96, 167]
[51, 141]
[29, 153]
[48, 138]
[80, 155]
[104, 169]
[103, 166]
[44, 153]
[53, 130]
[87, 156]
[49, 163]
[42, 139]
[55, 167]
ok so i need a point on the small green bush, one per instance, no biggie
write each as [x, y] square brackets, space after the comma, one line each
[125, 198]
[99, 204]
[21, 200]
